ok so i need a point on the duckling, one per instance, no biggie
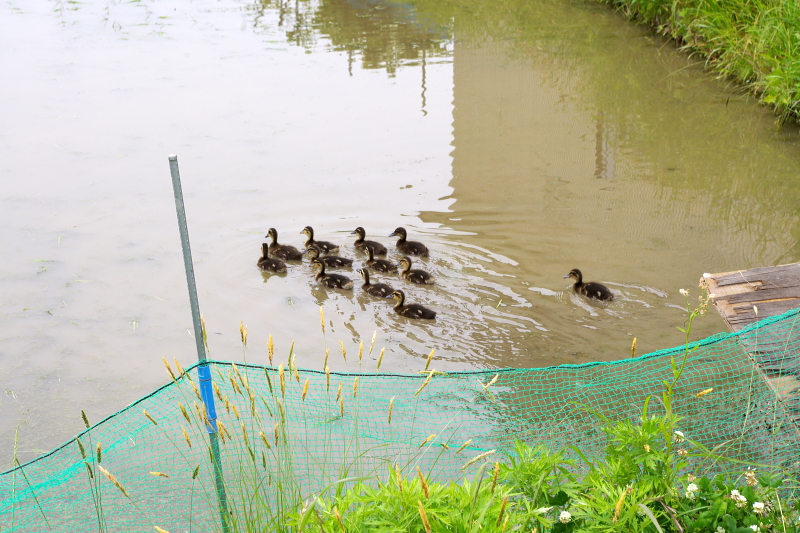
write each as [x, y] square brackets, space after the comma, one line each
[375, 289]
[410, 310]
[409, 247]
[284, 251]
[361, 244]
[379, 265]
[420, 277]
[334, 281]
[266, 263]
[590, 290]
[332, 261]
[324, 246]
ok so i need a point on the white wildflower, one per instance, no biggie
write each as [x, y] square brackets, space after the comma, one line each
[740, 500]
[564, 517]
[720, 529]
[679, 437]
[755, 528]
[684, 292]
[758, 508]
[691, 491]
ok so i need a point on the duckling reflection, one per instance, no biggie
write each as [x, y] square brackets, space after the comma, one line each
[381, 290]
[420, 277]
[269, 264]
[324, 246]
[410, 310]
[409, 247]
[592, 289]
[334, 281]
[379, 265]
[284, 251]
[361, 244]
[331, 261]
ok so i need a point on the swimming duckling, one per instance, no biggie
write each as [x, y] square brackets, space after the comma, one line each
[379, 265]
[420, 277]
[375, 289]
[284, 251]
[590, 290]
[410, 310]
[334, 281]
[361, 244]
[324, 246]
[409, 247]
[332, 261]
[267, 263]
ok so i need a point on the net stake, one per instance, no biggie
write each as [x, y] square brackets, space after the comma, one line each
[203, 371]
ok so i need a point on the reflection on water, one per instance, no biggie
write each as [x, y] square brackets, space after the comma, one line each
[552, 136]
[384, 34]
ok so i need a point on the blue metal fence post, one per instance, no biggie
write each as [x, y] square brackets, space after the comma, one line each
[203, 371]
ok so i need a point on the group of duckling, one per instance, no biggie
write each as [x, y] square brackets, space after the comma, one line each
[321, 256]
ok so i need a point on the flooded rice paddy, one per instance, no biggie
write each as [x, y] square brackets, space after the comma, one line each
[517, 141]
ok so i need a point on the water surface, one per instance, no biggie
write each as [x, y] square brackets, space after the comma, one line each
[517, 143]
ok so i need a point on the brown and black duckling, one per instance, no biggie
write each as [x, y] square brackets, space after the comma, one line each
[361, 244]
[375, 289]
[379, 265]
[410, 310]
[409, 247]
[331, 261]
[420, 277]
[334, 281]
[592, 289]
[284, 251]
[324, 246]
[269, 264]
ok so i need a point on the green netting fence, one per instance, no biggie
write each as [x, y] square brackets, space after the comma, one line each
[301, 433]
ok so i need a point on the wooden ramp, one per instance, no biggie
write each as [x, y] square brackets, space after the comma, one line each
[746, 296]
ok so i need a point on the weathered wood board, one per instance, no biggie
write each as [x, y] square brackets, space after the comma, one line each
[744, 297]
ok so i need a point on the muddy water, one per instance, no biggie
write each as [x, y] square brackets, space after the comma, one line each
[516, 143]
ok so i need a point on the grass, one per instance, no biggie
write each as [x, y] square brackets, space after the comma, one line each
[756, 42]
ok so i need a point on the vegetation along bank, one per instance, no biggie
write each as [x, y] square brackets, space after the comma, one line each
[756, 42]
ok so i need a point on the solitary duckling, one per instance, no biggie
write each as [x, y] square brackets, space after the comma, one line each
[269, 264]
[381, 290]
[410, 310]
[420, 277]
[284, 251]
[409, 247]
[361, 244]
[332, 261]
[324, 246]
[379, 265]
[334, 281]
[592, 289]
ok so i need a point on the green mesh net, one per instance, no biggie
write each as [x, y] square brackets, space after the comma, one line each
[284, 438]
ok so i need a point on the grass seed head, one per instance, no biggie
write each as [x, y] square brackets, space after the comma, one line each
[86, 420]
[372, 344]
[283, 379]
[204, 331]
[305, 390]
[113, 480]
[270, 349]
[428, 380]
[477, 458]
[344, 352]
[337, 514]
[341, 406]
[327, 378]
[160, 530]
[494, 475]
[426, 441]
[380, 358]
[424, 516]
[360, 350]
[186, 436]
[325, 362]
[633, 348]
[355, 387]
[264, 440]
[80, 447]
[196, 471]
[430, 357]
[169, 368]
[159, 474]
[184, 413]
[339, 391]
[502, 511]
[391, 406]
[277, 432]
[704, 392]
[99, 452]
[181, 371]
[464, 445]
[322, 319]
[423, 482]
[243, 333]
